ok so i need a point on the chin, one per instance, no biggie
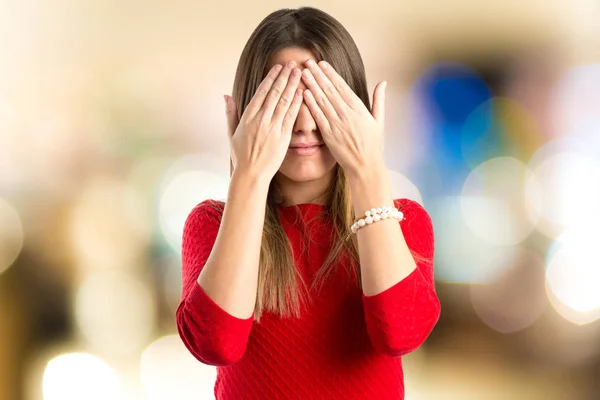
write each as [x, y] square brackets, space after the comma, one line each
[305, 174]
[307, 168]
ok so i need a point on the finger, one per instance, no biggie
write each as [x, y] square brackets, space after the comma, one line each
[320, 100]
[317, 112]
[277, 90]
[232, 123]
[340, 85]
[378, 109]
[316, 77]
[287, 96]
[262, 91]
[231, 114]
[292, 113]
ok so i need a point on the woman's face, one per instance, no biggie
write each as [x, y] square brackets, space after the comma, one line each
[312, 163]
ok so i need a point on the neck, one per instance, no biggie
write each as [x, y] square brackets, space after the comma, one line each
[314, 191]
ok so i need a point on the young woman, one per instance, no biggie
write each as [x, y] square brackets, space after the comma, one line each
[282, 289]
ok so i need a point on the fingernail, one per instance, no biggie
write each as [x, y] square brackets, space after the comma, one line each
[323, 64]
[309, 63]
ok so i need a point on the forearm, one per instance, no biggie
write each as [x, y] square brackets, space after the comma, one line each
[230, 275]
[385, 258]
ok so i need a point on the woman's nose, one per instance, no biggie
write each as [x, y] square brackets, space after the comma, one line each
[305, 123]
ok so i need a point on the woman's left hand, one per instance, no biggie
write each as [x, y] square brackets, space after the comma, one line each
[353, 134]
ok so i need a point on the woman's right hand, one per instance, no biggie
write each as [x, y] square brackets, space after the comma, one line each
[260, 139]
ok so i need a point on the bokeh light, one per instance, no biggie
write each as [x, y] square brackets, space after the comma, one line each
[169, 371]
[572, 276]
[144, 175]
[108, 226]
[441, 118]
[515, 299]
[109, 137]
[188, 182]
[115, 312]
[492, 201]
[463, 257]
[499, 127]
[402, 187]
[79, 376]
[11, 235]
[569, 190]
[172, 282]
[9, 133]
[575, 105]
[438, 85]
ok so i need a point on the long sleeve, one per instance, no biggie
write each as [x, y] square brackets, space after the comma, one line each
[210, 333]
[400, 318]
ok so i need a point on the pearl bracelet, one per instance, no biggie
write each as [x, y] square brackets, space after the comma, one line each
[377, 214]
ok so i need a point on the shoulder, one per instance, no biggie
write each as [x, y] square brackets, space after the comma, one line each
[200, 231]
[413, 211]
[416, 225]
[207, 212]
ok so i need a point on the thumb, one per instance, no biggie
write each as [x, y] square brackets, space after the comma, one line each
[378, 109]
[232, 123]
[231, 114]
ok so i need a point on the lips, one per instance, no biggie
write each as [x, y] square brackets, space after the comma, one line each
[303, 145]
[305, 149]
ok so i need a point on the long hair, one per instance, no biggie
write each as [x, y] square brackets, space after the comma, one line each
[280, 287]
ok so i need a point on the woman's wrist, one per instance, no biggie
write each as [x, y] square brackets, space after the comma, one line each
[248, 182]
[374, 172]
[370, 187]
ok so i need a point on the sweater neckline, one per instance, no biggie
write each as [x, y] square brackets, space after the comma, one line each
[303, 206]
[305, 209]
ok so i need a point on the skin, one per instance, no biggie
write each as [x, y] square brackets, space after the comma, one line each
[302, 101]
[354, 135]
[303, 178]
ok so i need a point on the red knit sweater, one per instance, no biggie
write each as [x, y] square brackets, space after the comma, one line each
[345, 345]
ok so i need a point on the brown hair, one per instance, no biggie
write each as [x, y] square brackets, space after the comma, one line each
[280, 287]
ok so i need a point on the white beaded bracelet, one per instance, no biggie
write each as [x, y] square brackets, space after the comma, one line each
[376, 214]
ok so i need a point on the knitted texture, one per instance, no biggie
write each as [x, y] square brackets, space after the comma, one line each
[345, 345]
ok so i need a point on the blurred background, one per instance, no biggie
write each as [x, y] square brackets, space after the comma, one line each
[112, 128]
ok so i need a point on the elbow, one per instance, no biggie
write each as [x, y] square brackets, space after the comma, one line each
[408, 338]
[392, 350]
[219, 356]
[398, 348]
[207, 345]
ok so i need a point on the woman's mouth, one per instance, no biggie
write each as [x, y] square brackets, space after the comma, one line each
[308, 150]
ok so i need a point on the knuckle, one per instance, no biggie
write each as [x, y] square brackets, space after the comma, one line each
[275, 91]
[284, 100]
[329, 89]
[247, 124]
[264, 121]
[321, 102]
[261, 92]
[290, 117]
